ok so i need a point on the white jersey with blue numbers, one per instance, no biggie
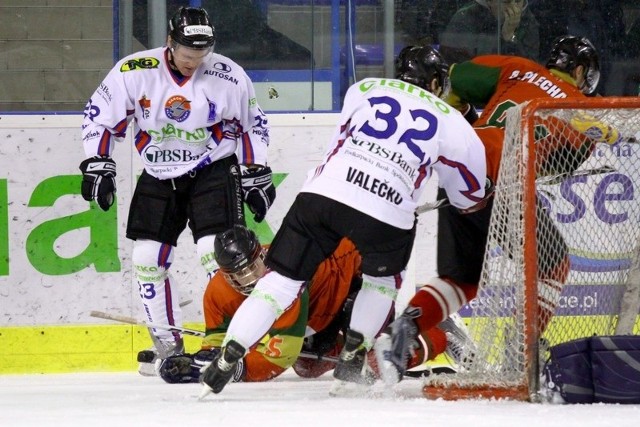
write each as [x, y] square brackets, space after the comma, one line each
[391, 137]
[180, 125]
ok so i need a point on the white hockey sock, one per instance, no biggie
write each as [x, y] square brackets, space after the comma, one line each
[272, 295]
[373, 305]
[205, 251]
[159, 293]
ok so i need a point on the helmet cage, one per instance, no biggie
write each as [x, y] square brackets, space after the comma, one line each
[591, 80]
[244, 278]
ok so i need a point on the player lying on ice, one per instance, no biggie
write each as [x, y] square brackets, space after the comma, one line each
[308, 336]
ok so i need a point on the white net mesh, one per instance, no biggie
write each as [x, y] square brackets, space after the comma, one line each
[582, 229]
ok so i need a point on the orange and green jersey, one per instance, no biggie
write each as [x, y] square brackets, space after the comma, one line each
[317, 305]
[496, 83]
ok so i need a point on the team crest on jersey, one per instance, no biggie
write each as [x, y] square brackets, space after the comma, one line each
[139, 64]
[177, 108]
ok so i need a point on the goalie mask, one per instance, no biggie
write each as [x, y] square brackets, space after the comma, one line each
[240, 257]
[570, 51]
[190, 27]
[419, 65]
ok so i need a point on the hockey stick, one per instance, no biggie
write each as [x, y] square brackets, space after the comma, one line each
[196, 333]
[553, 179]
[558, 178]
[630, 302]
[156, 342]
[186, 331]
[443, 203]
[134, 321]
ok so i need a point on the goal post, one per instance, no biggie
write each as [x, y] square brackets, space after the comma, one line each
[563, 239]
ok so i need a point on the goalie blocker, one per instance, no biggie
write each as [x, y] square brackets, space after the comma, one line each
[596, 369]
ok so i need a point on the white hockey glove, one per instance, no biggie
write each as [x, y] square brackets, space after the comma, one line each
[99, 181]
[258, 190]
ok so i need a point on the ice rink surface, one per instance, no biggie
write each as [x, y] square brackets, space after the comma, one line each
[128, 399]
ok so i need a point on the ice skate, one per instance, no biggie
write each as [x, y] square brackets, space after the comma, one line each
[352, 374]
[460, 347]
[223, 368]
[395, 347]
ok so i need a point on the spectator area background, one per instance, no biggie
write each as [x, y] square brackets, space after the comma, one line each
[53, 54]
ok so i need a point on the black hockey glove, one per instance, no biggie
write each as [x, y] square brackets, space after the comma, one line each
[258, 190]
[186, 368]
[99, 180]
[180, 369]
[489, 190]
[470, 114]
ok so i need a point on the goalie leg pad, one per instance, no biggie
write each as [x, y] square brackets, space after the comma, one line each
[569, 371]
[615, 362]
[596, 369]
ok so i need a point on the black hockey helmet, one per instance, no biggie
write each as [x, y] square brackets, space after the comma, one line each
[568, 52]
[419, 65]
[190, 27]
[240, 257]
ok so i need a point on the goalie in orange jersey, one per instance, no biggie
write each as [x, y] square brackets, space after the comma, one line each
[497, 83]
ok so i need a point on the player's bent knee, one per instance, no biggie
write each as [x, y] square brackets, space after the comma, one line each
[206, 250]
[387, 286]
[151, 260]
[277, 290]
[443, 295]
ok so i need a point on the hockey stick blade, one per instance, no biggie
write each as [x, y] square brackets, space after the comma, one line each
[114, 317]
[133, 321]
[558, 178]
[443, 203]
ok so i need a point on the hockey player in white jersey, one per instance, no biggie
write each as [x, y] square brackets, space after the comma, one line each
[392, 135]
[202, 139]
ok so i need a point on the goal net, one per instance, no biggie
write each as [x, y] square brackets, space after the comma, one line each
[563, 239]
